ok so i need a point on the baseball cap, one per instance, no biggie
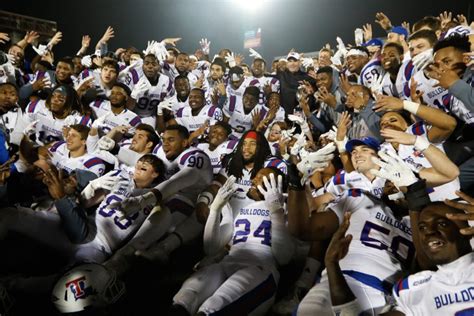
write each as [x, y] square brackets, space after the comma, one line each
[374, 42]
[368, 141]
[399, 30]
[294, 55]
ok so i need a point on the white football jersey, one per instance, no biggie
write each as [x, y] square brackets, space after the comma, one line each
[171, 71]
[252, 238]
[60, 158]
[447, 291]
[403, 79]
[238, 120]
[243, 184]
[381, 246]
[372, 70]
[260, 83]
[133, 76]
[342, 182]
[126, 117]
[147, 102]
[112, 230]
[49, 128]
[217, 154]
[190, 159]
[185, 117]
[417, 161]
[97, 82]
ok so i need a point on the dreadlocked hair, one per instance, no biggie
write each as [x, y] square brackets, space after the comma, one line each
[234, 162]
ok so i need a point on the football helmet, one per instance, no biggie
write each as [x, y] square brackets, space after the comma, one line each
[86, 286]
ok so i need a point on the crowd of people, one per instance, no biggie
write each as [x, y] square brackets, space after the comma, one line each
[358, 164]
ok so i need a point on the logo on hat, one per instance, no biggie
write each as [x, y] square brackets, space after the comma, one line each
[294, 55]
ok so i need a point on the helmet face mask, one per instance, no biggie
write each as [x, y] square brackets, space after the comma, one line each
[86, 286]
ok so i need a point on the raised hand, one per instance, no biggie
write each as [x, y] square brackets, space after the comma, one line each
[383, 21]
[393, 168]
[468, 208]
[205, 45]
[273, 192]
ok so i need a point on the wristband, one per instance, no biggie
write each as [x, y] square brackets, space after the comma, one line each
[416, 196]
[341, 145]
[205, 197]
[411, 107]
[294, 179]
[421, 144]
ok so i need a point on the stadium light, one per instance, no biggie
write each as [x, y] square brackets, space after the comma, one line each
[251, 6]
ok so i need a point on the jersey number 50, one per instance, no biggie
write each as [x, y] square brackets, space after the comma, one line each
[397, 241]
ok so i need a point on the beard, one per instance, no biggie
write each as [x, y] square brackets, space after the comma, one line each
[249, 160]
[118, 105]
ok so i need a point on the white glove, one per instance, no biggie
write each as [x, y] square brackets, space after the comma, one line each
[423, 59]
[341, 47]
[105, 182]
[41, 49]
[165, 104]
[138, 63]
[160, 51]
[307, 62]
[69, 120]
[254, 53]
[8, 69]
[331, 135]
[393, 168]
[298, 145]
[230, 59]
[86, 61]
[149, 48]
[30, 129]
[300, 121]
[205, 45]
[223, 195]
[273, 193]
[142, 86]
[99, 121]
[288, 133]
[106, 143]
[336, 59]
[133, 204]
[376, 85]
[316, 161]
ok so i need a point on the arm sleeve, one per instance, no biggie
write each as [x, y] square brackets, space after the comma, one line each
[217, 231]
[73, 219]
[317, 123]
[25, 92]
[91, 143]
[464, 92]
[179, 181]
[282, 243]
[372, 119]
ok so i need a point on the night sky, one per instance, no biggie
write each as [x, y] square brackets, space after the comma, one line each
[301, 24]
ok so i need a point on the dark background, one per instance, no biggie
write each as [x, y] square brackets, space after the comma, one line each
[305, 25]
